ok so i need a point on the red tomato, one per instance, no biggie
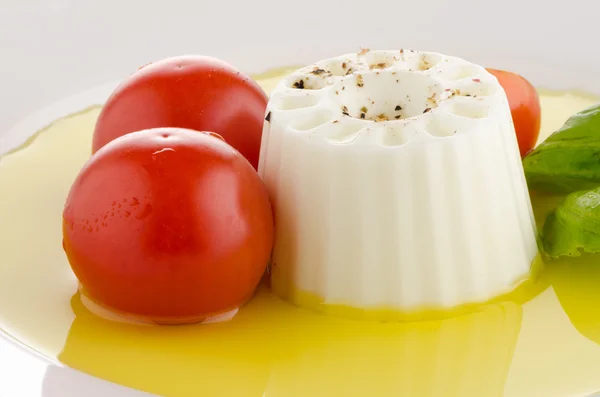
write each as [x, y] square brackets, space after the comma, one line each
[171, 224]
[196, 92]
[524, 106]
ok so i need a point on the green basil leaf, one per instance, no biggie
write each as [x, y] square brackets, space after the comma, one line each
[574, 226]
[569, 160]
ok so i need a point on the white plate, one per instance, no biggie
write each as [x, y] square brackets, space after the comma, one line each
[54, 49]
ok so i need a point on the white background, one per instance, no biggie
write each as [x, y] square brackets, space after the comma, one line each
[52, 49]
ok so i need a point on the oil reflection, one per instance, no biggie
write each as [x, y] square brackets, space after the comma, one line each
[576, 282]
[273, 349]
[468, 355]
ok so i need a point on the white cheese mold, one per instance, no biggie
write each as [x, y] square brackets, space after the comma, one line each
[396, 182]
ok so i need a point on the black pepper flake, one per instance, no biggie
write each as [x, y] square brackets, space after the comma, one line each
[345, 111]
[299, 84]
[349, 71]
[337, 92]
[268, 118]
[397, 108]
[359, 81]
[427, 110]
[397, 117]
[397, 81]
[380, 65]
[318, 71]
[335, 121]
[344, 65]
[362, 115]
[343, 87]
[467, 94]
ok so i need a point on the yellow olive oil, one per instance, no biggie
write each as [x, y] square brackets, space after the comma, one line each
[542, 341]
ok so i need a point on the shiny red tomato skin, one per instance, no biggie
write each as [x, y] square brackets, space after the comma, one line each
[170, 224]
[524, 106]
[195, 92]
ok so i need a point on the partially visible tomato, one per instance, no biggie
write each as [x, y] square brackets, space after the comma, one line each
[170, 224]
[524, 106]
[195, 92]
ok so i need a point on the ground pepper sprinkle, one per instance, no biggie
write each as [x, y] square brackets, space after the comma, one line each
[359, 81]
